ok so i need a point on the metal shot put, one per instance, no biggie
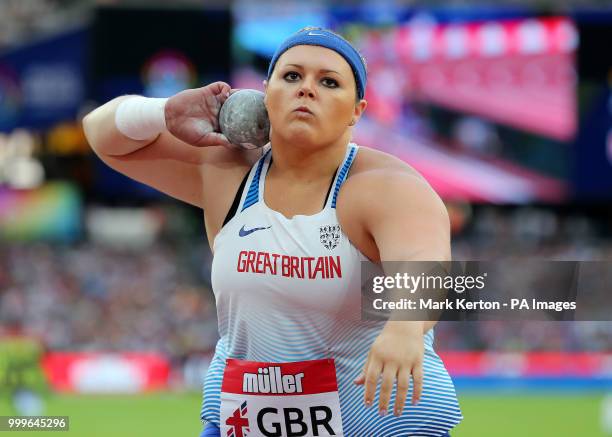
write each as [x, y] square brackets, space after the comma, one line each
[244, 119]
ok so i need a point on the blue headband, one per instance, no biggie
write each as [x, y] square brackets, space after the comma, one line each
[324, 38]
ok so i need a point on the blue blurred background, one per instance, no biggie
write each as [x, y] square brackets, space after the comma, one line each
[505, 108]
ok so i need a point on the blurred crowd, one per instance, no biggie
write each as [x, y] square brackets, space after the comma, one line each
[89, 297]
[494, 233]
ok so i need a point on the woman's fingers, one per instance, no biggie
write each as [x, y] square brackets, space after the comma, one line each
[219, 88]
[372, 375]
[360, 379]
[388, 379]
[395, 364]
[403, 383]
[417, 380]
[213, 139]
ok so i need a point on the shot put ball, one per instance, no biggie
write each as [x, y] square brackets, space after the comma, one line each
[244, 119]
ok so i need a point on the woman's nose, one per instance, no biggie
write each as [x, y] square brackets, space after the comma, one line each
[306, 90]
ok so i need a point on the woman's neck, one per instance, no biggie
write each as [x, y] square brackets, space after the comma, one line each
[304, 164]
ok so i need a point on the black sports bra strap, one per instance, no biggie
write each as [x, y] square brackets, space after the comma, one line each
[331, 184]
[232, 211]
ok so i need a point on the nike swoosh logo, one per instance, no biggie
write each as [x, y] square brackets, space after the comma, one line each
[244, 232]
[316, 34]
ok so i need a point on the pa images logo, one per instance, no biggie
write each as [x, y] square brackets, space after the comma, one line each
[330, 236]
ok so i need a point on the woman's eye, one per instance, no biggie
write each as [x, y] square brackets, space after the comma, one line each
[292, 75]
[330, 82]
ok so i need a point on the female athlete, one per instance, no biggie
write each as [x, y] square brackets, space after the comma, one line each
[289, 226]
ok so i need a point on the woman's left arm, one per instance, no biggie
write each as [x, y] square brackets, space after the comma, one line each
[407, 221]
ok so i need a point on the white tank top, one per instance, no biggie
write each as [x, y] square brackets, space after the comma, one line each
[290, 290]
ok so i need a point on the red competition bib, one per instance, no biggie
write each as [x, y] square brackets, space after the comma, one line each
[260, 399]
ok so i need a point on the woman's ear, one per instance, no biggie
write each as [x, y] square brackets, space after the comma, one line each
[359, 108]
[265, 85]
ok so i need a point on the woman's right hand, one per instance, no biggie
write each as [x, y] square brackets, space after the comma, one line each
[193, 115]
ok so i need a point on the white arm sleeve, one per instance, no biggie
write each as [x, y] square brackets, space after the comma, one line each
[141, 118]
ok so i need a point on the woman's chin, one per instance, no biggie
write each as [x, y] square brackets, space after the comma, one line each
[300, 134]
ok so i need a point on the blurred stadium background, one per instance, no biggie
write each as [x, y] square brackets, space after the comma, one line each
[106, 311]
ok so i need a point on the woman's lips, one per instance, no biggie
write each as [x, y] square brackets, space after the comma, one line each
[303, 113]
[303, 109]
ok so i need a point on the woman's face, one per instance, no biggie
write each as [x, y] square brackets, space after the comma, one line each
[311, 96]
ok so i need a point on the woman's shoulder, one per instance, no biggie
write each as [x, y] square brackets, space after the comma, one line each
[379, 183]
[370, 161]
[378, 177]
